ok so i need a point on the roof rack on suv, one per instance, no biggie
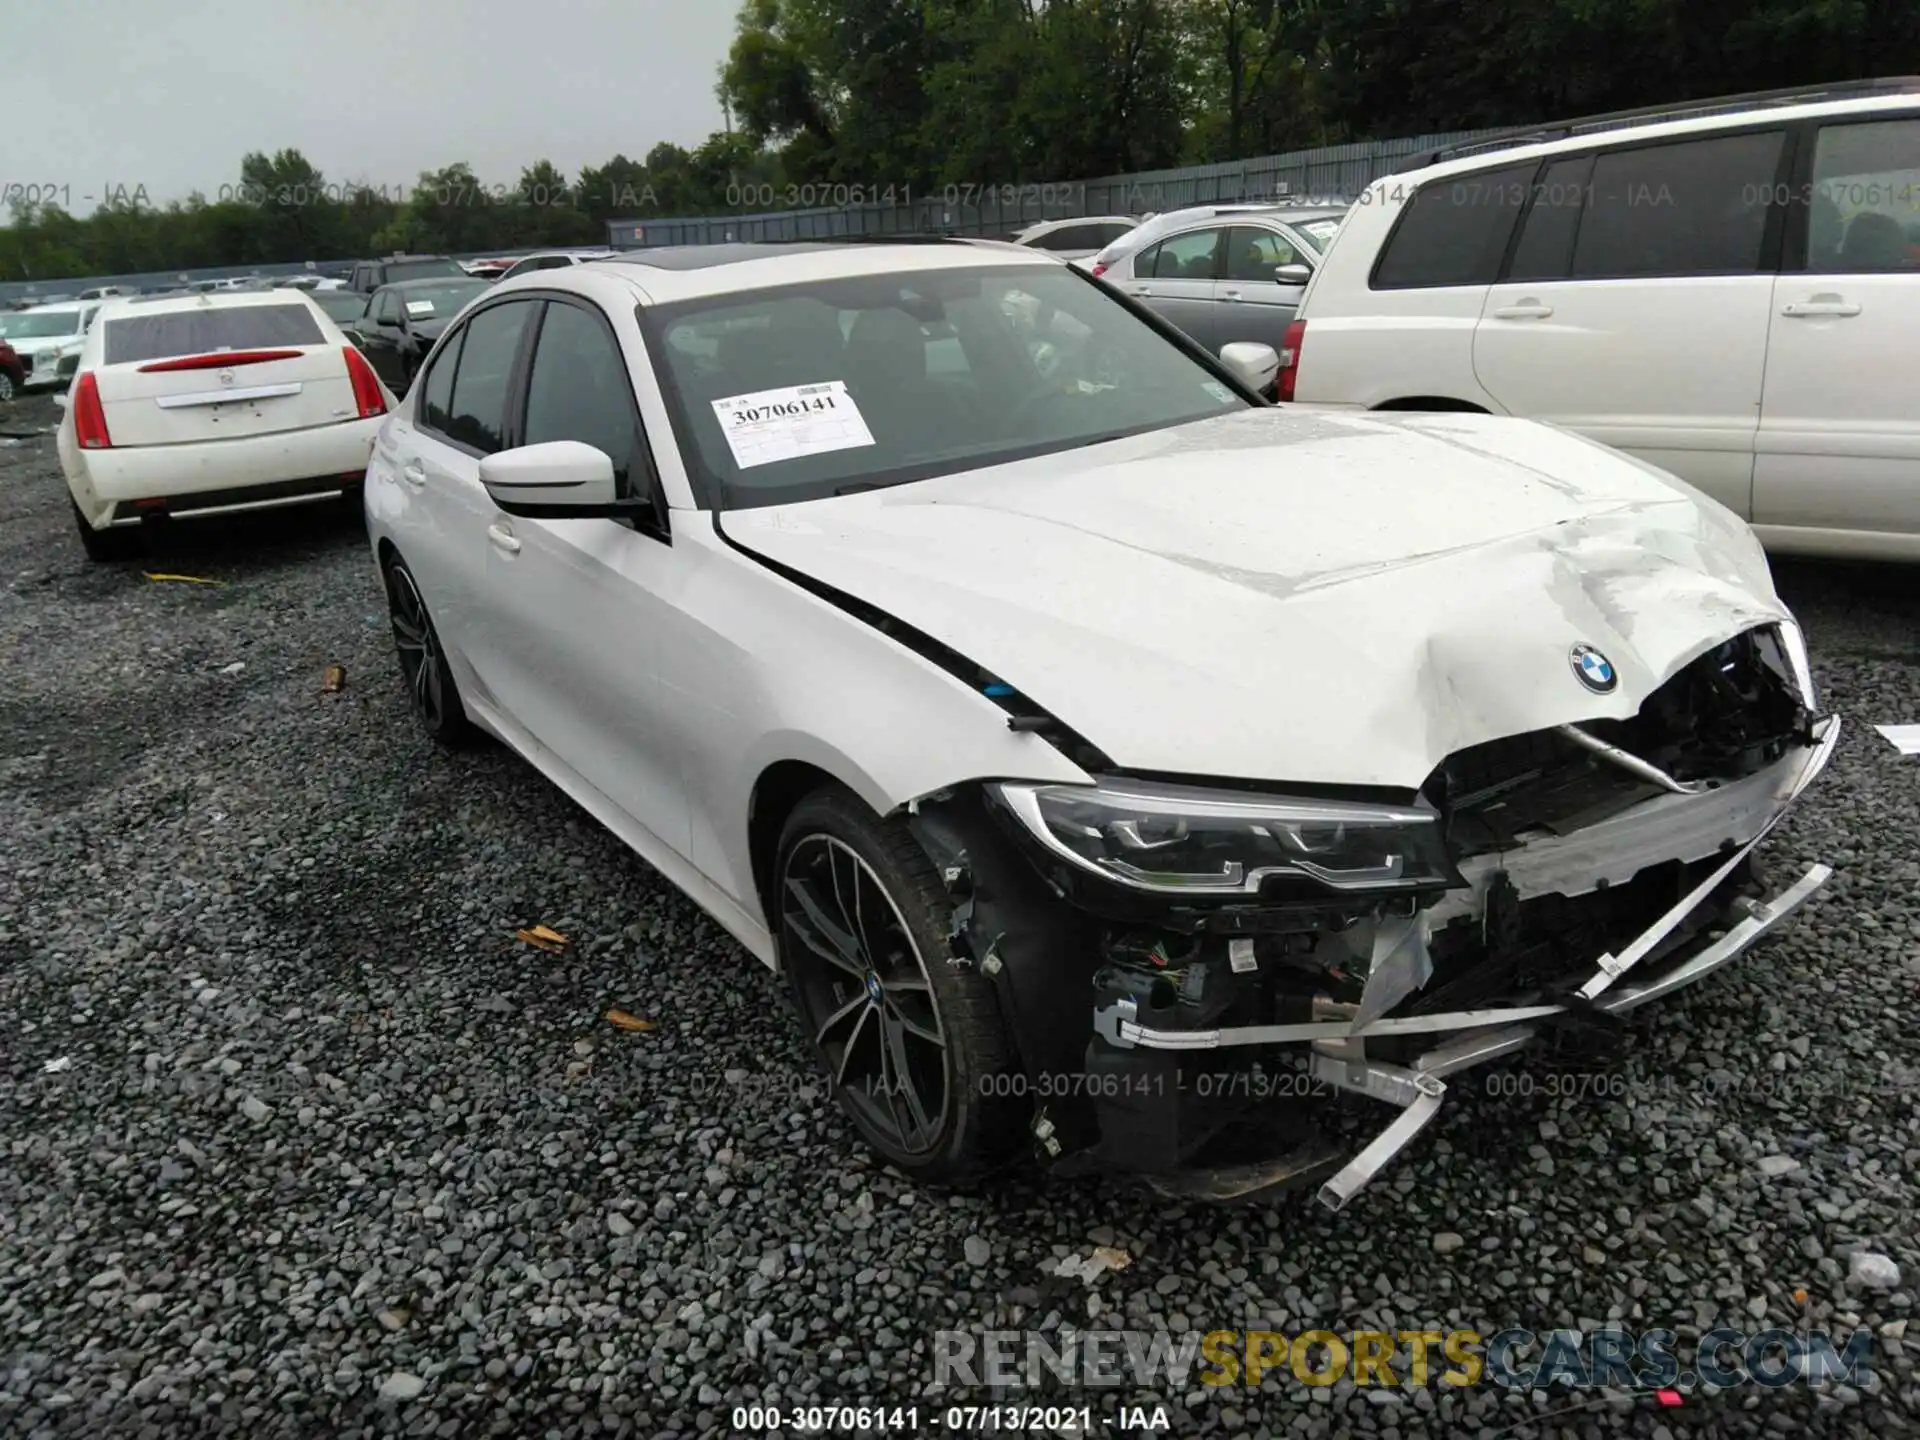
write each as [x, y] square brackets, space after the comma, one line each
[1677, 110]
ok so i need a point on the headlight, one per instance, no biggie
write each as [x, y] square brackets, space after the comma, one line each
[1176, 839]
[1795, 646]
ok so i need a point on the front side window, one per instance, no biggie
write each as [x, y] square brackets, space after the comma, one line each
[477, 412]
[387, 307]
[805, 391]
[1453, 231]
[578, 389]
[1698, 207]
[1254, 254]
[1864, 214]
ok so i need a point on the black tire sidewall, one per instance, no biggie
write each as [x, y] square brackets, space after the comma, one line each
[983, 1127]
[453, 729]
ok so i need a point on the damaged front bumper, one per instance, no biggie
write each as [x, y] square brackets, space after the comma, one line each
[1727, 823]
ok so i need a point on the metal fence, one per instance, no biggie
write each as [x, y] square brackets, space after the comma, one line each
[1332, 172]
[1335, 172]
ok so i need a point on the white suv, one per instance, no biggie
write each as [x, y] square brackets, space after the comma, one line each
[1732, 296]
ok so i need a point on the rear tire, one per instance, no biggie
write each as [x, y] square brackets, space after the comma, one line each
[109, 545]
[915, 1049]
[431, 692]
[7, 391]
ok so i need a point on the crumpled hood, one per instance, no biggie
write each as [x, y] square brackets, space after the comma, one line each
[1297, 595]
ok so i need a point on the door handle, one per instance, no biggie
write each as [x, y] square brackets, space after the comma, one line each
[414, 473]
[1820, 305]
[1141, 290]
[500, 535]
[1229, 294]
[1525, 310]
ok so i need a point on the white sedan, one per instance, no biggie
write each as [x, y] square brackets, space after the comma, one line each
[186, 406]
[1113, 763]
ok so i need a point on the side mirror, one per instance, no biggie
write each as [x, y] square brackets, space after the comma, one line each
[1295, 274]
[561, 479]
[1253, 365]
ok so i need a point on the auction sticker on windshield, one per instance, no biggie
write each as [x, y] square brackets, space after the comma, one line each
[795, 420]
[417, 308]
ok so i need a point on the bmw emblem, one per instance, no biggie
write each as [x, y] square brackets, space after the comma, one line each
[1593, 669]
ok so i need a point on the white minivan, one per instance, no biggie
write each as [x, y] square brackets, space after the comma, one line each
[1730, 292]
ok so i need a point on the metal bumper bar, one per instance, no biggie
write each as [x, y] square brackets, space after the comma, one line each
[1483, 1035]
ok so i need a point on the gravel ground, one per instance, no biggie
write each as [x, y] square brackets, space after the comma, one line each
[326, 1151]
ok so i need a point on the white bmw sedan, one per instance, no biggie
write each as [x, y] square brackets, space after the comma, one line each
[187, 406]
[1116, 766]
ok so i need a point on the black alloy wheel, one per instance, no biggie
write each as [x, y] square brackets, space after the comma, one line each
[431, 691]
[913, 1046]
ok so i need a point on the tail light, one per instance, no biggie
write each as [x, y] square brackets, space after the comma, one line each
[89, 418]
[1098, 269]
[217, 360]
[1290, 347]
[366, 385]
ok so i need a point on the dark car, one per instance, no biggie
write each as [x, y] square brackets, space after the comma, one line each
[369, 275]
[13, 375]
[343, 307]
[402, 321]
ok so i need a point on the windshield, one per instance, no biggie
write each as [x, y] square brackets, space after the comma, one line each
[40, 324]
[341, 304]
[421, 269]
[1318, 233]
[439, 301]
[813, 390]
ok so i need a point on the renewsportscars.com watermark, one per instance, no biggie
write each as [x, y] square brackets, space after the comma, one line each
[1407, 1359]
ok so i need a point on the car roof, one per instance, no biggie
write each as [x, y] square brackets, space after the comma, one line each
[425, 282]
[681, 272]
[122, 305]
[54, 307]
[1492, 155]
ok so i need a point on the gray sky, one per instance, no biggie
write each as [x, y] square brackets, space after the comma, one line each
[170, 94]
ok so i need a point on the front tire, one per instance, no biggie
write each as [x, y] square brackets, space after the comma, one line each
[914, 1048]
[7, 391]
[431, 692]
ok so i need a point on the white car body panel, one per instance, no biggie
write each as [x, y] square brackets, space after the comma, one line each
[1804, 424]
[1270, 570]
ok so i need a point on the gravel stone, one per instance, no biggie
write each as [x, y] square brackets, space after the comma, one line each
[318, 1085]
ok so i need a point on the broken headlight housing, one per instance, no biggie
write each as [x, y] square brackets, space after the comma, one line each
[1175, 839]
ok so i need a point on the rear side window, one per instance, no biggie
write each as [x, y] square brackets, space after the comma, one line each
[1453, 231]
[1553, 219]
[1181, 257]
[1071, 237]
[477, 414]
[1695, 208]
[202, 331]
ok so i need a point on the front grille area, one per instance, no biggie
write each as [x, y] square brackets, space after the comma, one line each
[1725, 716]
[1518, 948]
